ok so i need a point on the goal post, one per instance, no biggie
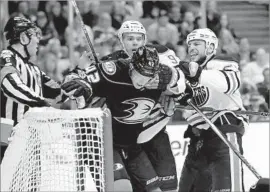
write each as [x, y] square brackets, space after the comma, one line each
[60, 150]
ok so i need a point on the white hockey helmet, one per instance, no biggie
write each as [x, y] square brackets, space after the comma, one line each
[206, 35]
[131, 27]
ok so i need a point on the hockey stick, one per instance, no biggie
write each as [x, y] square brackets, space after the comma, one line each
[264, 114]
[84, 30]
[225, 140]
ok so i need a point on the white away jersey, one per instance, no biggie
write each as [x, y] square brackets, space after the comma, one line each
[218, 89]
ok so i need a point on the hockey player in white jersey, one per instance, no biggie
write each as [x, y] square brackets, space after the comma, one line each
[215, 82]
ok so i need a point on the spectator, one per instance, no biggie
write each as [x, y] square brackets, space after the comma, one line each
[105, 36]
[183, 33]
[78, 38]
[150, 8]
[181, 52]
[252, 72]
[198, 23]
[134, 10]
[90, 17]
[59, 22]
[227, 44]
[244, 52]
[163, 38]
[22, 10]
[189, 18]
[224, 24]
[264, 87]
[212, 16]
[47, 28]
[163, 21]
[118, 13]
[175, 16]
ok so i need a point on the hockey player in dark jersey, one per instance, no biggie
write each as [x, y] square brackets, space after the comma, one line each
[154, 143]
[209, 164]
[23, 84]
[122, 83]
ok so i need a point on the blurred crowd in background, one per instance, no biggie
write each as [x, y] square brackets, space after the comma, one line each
[167, 23]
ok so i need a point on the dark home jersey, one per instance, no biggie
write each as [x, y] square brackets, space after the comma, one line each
[129, 106]
[155, 119]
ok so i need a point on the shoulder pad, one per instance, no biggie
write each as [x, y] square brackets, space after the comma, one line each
[222, 65]
[225, 58]
[159, 48]
[115, 55]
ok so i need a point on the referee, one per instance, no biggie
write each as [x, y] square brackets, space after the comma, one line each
[23, 84]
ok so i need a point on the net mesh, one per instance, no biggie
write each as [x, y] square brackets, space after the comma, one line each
[56, 150]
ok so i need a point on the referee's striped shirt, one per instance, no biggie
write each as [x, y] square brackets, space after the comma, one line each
[23, 85]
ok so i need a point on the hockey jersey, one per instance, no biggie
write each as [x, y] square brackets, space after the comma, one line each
[217, 89]
[157, 119]
[129, 106]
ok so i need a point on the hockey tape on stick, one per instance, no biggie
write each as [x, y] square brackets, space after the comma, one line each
[225, 140]
[84, 30]
[241, 112]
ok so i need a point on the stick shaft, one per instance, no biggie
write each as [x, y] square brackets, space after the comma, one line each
[264, 114]
[85, 31]
[226, 141]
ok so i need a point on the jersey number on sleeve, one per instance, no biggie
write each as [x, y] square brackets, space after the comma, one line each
[92, 74]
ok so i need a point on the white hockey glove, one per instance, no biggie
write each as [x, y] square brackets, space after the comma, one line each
[168, 105]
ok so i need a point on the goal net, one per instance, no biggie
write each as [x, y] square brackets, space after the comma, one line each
[60, 150]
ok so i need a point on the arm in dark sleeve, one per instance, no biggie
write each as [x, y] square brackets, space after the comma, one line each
[51, 89]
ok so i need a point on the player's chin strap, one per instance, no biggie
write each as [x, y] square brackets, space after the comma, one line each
[225, 140]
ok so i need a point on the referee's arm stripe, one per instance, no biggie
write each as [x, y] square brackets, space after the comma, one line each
[17, 99]
[19, 91]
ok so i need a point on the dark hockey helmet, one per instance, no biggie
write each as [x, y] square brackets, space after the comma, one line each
[146, 61]
[16, 25]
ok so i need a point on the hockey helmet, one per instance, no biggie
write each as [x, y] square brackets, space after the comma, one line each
[146, 61]
[131, 27]
[206, 35]
[16, 25]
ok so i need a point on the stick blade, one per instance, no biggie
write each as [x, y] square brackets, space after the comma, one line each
[263, 185]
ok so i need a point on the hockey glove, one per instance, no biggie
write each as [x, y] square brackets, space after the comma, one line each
[80, 90]
[162, 80]
[261, 186]
[192, 71]
[185, 96]
[168, 105]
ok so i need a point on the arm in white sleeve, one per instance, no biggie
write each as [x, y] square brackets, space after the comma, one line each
[226, 81]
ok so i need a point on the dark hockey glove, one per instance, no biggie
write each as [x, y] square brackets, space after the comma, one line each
[191, 70]
[185, 96]
[78, 89]
[162, 79]
[261, 186]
